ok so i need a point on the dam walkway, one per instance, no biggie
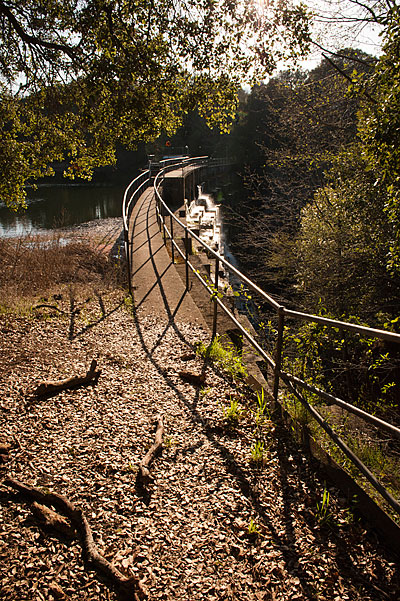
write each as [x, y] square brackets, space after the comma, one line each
[157, 287]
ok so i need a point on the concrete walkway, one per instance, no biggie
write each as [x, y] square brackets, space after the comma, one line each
[157, 287]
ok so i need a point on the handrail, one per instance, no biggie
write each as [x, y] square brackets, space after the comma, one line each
[275, 363]
[372, 332]
[133, 192]
[135, 189]
[345, 325]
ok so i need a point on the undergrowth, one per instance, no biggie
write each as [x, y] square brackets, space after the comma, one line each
[225, 356]
[232, 412]
[378, 455]
[33, 267]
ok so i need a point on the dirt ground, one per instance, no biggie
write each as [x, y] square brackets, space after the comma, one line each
[215, 524]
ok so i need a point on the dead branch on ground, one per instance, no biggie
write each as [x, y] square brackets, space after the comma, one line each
[193, 378]
[127, 588]
[46, 306]
[143, 476]
[50, 388]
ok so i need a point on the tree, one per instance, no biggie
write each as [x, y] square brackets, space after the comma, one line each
[78, 76]
[294, 128]
[379, 130]
[342, 245]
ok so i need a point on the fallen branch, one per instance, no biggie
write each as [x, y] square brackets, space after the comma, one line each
[127, 588]
[193, 378]
[46, 306]
[48, 389]
[143, 476]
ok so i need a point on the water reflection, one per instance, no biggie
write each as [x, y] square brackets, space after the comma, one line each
[50, 207]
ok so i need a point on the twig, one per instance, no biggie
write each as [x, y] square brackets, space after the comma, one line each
[46, 306]
[143, 476]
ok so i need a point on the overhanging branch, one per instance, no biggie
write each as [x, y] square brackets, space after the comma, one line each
[32, 40]
[346, 76]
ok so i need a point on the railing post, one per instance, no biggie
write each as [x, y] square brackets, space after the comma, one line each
[159, 213]
[128, 260]
[172, 239]
[216, 282]
[187, 257]
[164, 234]
[278, 351]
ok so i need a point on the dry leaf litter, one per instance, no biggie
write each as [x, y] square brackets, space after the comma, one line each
[216, 526]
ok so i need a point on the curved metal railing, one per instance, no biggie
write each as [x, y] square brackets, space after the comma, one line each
[291, 382]
[136, 188]
[273, 360]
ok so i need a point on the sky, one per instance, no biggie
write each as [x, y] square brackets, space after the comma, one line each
[336, 26]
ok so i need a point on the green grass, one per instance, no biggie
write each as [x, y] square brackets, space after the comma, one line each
[257, 452]
[129, 304]
[233, 412]
[225, 357]
[375, 454]
[323, 513]
[253, 529]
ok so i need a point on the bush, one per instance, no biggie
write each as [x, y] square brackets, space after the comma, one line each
[33, 266]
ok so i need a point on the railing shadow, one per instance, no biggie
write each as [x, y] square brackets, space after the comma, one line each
[171, 313]
[283, 538]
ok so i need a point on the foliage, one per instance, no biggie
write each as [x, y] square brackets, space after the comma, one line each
[262, 403]
[79, 76]
[253, 528]
[257, 452]
[225, 356]
[379, 129]
[361, 370]
[291, 131]
[323, 513]
[232, 412]
[129, 304]
[343, 244]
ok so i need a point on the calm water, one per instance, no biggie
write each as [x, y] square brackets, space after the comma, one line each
[61, 206]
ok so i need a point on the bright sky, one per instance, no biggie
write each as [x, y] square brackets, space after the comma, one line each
[336, 26]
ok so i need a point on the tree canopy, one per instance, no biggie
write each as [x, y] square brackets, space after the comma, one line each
[325, 180]
[379, 130]
[78, 76]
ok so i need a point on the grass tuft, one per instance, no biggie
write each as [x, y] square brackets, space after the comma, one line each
[226, 357]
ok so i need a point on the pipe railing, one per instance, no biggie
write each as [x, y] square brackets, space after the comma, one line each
[291, 382]
[136, 188]
[131, 195]
[170, 224]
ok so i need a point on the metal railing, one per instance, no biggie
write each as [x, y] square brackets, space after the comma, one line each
[136, 188]
[131, 195]
[169, 224]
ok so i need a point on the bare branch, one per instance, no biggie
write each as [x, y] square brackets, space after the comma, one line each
[355, 59]
[346, 76]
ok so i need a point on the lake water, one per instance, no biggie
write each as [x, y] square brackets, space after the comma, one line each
[53, 206]
[50, 207]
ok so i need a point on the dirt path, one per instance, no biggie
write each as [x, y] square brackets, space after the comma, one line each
[217, 525]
